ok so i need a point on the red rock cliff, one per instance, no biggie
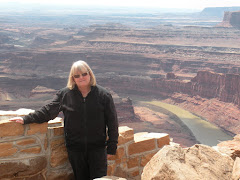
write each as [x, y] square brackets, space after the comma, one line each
[225, 87]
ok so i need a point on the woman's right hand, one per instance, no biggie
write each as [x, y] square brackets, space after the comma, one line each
[17, 120]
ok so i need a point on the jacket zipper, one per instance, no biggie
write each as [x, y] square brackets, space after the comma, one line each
[85, 122]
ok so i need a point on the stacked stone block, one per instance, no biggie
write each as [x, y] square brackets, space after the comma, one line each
[23, 151]
[33, 151]
[134, 151]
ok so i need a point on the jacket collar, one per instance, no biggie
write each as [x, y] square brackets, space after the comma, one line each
[92, 88]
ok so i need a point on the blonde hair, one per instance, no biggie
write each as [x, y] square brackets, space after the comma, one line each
[80, 67]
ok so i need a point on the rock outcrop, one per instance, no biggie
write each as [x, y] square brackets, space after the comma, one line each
[231, 19]
[196, 162]
[231, 148]
[124, 108]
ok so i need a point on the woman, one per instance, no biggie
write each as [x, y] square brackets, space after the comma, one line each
[89, 113]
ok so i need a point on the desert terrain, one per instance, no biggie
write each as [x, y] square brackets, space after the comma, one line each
[183, 59]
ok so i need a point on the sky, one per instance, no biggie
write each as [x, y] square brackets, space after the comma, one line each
[186, 4]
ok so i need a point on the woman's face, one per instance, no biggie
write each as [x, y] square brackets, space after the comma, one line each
[82, 79]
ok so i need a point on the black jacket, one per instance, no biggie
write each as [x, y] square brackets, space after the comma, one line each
[86, 120]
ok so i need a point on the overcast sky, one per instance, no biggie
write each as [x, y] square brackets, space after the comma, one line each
[186, 4]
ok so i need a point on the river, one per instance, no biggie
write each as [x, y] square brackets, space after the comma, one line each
[204, 132]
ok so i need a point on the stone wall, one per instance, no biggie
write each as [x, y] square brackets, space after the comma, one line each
[33, 151]
[37, 151]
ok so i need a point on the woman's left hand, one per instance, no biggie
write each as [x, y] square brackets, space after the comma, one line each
[17, 120]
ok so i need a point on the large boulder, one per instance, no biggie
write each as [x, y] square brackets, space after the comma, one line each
[197, 162]
[26, 168]
[236, 169]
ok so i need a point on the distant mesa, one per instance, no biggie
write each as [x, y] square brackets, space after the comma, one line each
[218, 11]
[231, 19]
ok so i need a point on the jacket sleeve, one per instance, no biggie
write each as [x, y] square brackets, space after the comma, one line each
[112, 125]
[46, 113]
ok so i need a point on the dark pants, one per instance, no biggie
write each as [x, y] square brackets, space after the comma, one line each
[88, 165]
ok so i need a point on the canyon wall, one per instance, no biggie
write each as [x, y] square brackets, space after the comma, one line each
[225, 87]
[37, 151]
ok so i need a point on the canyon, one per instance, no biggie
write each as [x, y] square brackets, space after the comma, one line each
[192, 66]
